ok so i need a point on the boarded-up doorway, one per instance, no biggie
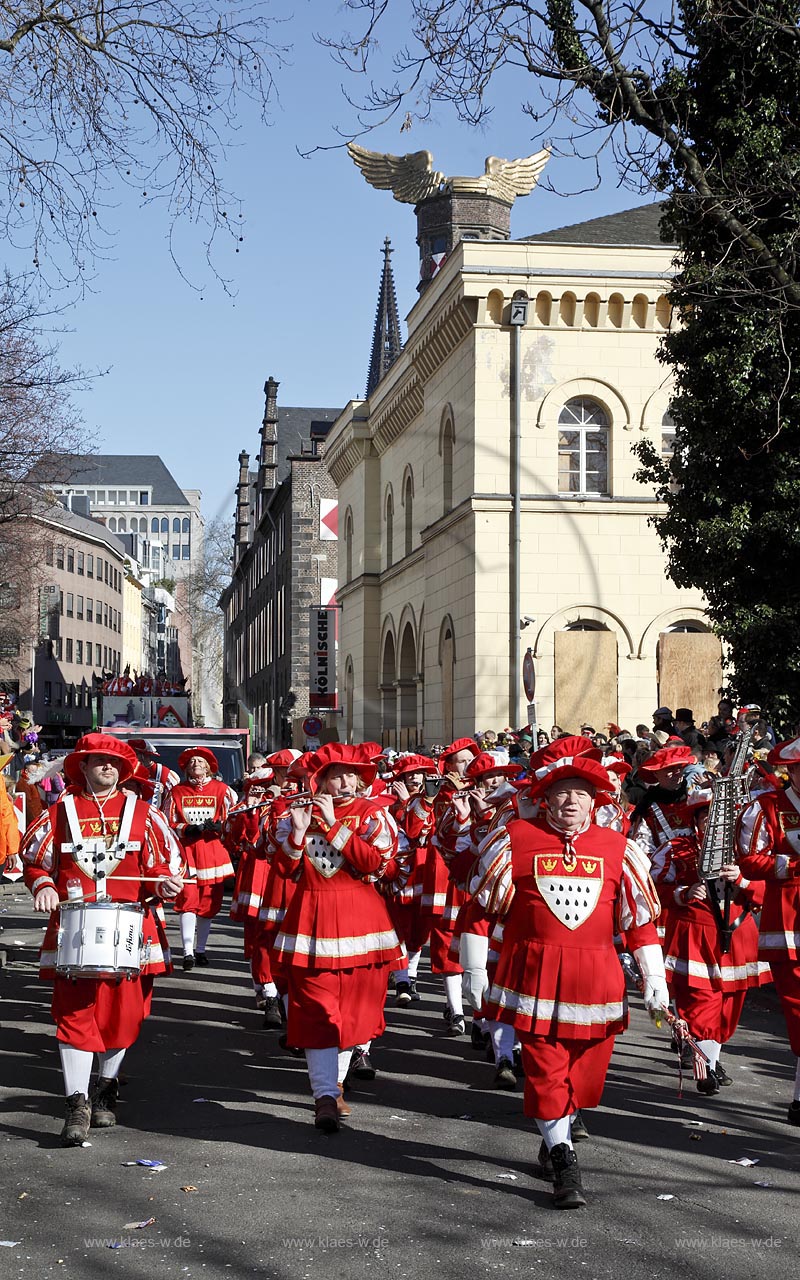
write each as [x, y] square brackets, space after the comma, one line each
[689, 672]
[585, 679]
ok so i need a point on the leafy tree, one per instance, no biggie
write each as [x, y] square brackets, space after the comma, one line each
[698, 100]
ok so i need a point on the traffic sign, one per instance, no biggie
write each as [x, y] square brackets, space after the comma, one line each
[528, 676]
[312, 726]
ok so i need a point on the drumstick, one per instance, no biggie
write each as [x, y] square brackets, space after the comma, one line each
[139, 880]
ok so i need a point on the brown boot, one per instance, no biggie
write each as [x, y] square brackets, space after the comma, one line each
[326, 1114]
[104, 1104]
[342, 1107]
[76, 1124]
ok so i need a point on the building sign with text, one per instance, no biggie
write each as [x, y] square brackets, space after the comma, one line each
[322, 648]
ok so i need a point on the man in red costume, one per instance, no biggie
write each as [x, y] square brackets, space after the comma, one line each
[336, 939]
[769, 850]
[96, 843]
[562, 884]
[198, 808]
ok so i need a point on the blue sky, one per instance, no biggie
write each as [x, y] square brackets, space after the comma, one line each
[186, 369]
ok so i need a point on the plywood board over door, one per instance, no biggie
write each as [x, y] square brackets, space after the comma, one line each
[689, 672]
[585, 679]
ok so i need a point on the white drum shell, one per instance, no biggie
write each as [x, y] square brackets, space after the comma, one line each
[100, 940]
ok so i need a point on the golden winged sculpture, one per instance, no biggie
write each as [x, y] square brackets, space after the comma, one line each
[412, 178]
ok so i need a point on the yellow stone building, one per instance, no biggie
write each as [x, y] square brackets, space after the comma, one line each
[454, 562]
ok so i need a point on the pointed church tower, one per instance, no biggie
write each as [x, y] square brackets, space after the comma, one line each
[386, 341]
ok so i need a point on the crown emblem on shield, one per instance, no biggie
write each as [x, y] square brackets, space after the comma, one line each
[549, 864]
[589, 867]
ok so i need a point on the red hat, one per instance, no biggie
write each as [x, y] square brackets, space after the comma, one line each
[357, 757]
[100, 744]
[787, 752]
[485, 763]
[667, 758]
[259, 778]
[205, 753]
[413, 764]
[578, 766]
[282, 759]
[618, 765]
[299, 767]
[577, 745]
[460, 744]
[144, 747]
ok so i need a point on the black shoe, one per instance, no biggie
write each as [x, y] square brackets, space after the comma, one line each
[290, 1048]
[412, 982]
[479, 1038]
[402, 993]
[577, 1129]
[273, 1014]
[793, 1114]
[519, 1070]
[456, 1025]
[78, 1119]
[188, 963]
[544, 1168]
[504, 1077]
[202, 960]
[709, 1086]
[361, 1066]
[104, 1104]
[567, 1186]
[722, 1076]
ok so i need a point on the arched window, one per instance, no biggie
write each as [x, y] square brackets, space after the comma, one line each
[408, 503]
[185, 524]
[165, 525]
[389, 529]
[122, 526]
[616, 310]
[447, 663]
[389, 693]
[447, 466]
[591, 310]
[112, 523]
[583, 438]
[667, 436]
[154, 525]
[544, 307]
[176, 525]
[348, 546]
[567, 308]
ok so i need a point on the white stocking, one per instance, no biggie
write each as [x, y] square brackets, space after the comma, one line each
[109, 1063]
[344, 1063]
[452, 991]
[502, 1040]
[322, 1072]
[203, 930]
[76, 1065]
[555, 1132]
[711, 1049]
[413, 963]
[188, 922]
[270, 989]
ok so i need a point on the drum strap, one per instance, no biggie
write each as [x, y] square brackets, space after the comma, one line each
[122, 842]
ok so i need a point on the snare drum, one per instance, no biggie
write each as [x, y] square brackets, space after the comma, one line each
[100, 940]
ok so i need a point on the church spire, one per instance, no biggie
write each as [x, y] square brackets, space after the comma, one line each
[386, 340]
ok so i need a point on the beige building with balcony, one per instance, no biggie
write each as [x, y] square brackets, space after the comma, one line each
[440, 601]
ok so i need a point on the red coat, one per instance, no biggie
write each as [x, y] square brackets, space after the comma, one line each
[241, 835]
[336, 918]
[768, 837]
[558, 973]
[192, 805]
[150, 851]
[692, 955]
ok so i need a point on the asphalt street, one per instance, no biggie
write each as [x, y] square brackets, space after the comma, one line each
[431, 1178]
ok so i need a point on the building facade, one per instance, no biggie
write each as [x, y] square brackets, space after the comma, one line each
[138, 494]
[489, 508]
[285, 562]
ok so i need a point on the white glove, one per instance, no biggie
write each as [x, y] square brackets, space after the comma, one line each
[472, 953]
[650, 960]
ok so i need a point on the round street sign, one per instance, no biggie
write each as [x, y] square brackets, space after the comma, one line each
[312, 726]
[528, 676]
